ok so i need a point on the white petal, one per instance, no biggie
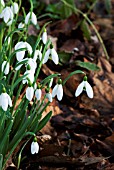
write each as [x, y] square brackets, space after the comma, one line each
[54, 91]
[54, 56]
[4, 101]
[51, 82]
[79, 89]
[34, 19]
[34, 147]
[89, 90]
[21, 25]
[49, 96]
[46, 57]
[15, 8]
[38, 94]
[29, 48]
[9, 23]
[30, 76]
[5, 67]
[2, 3]
[6, 14]
[27, 18]
[32, 64]
[20, 55]
[44, 37]
[29, 93]
[60, 92]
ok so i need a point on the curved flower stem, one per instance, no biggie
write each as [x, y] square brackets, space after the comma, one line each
[91, 23]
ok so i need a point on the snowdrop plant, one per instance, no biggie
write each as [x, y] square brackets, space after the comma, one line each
[19, 81]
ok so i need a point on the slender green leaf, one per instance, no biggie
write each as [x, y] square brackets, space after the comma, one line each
[108, 6]
[71, 74]
[1, 160]
[43, 122]
[88, 65]
[85, 29]
[47, 79]
[19, 80]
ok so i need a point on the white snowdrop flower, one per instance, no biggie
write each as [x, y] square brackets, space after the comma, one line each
[2, 3]
[53, 54]
[33, 18]
[84, 85]
[15, 8]
[20, 54]
[32, 63]
[44, 36]
[5, 67]
[21, 25]
[30, 76]
[58, 90]
[34, 147]
[29, 93]
[5, 100]
[37, 54]
[49, 97]
[38, 94]
[7, 15]
[29, 48]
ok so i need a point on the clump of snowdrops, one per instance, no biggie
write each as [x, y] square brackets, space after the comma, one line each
[20, 65]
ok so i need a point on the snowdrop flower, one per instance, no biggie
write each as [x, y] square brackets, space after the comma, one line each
[7, 15]
[21, 25]
[49, 96]
[38, 94]
[5, 100]
[84, 85]
[15, 8]
[2, 3]
[29, 63]
[20, 55]
[29, 77]
[5, 67]
[58, 90]
[51, 52]
[37, 54]
[31, 17]
[44, 36]
[34, 146]
[29, 93]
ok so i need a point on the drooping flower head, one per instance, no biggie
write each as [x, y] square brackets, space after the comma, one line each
[44, 36]
[7, 15]
[38, 92]
[5, 100]
[20, 54]
[51, 53]
[84, 85]
[31, 17]
[58, 90]
[34, 146]
[5, 66]
[15, 8]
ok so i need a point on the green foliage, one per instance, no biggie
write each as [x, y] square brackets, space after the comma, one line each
[108, 6]
[88, 65]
